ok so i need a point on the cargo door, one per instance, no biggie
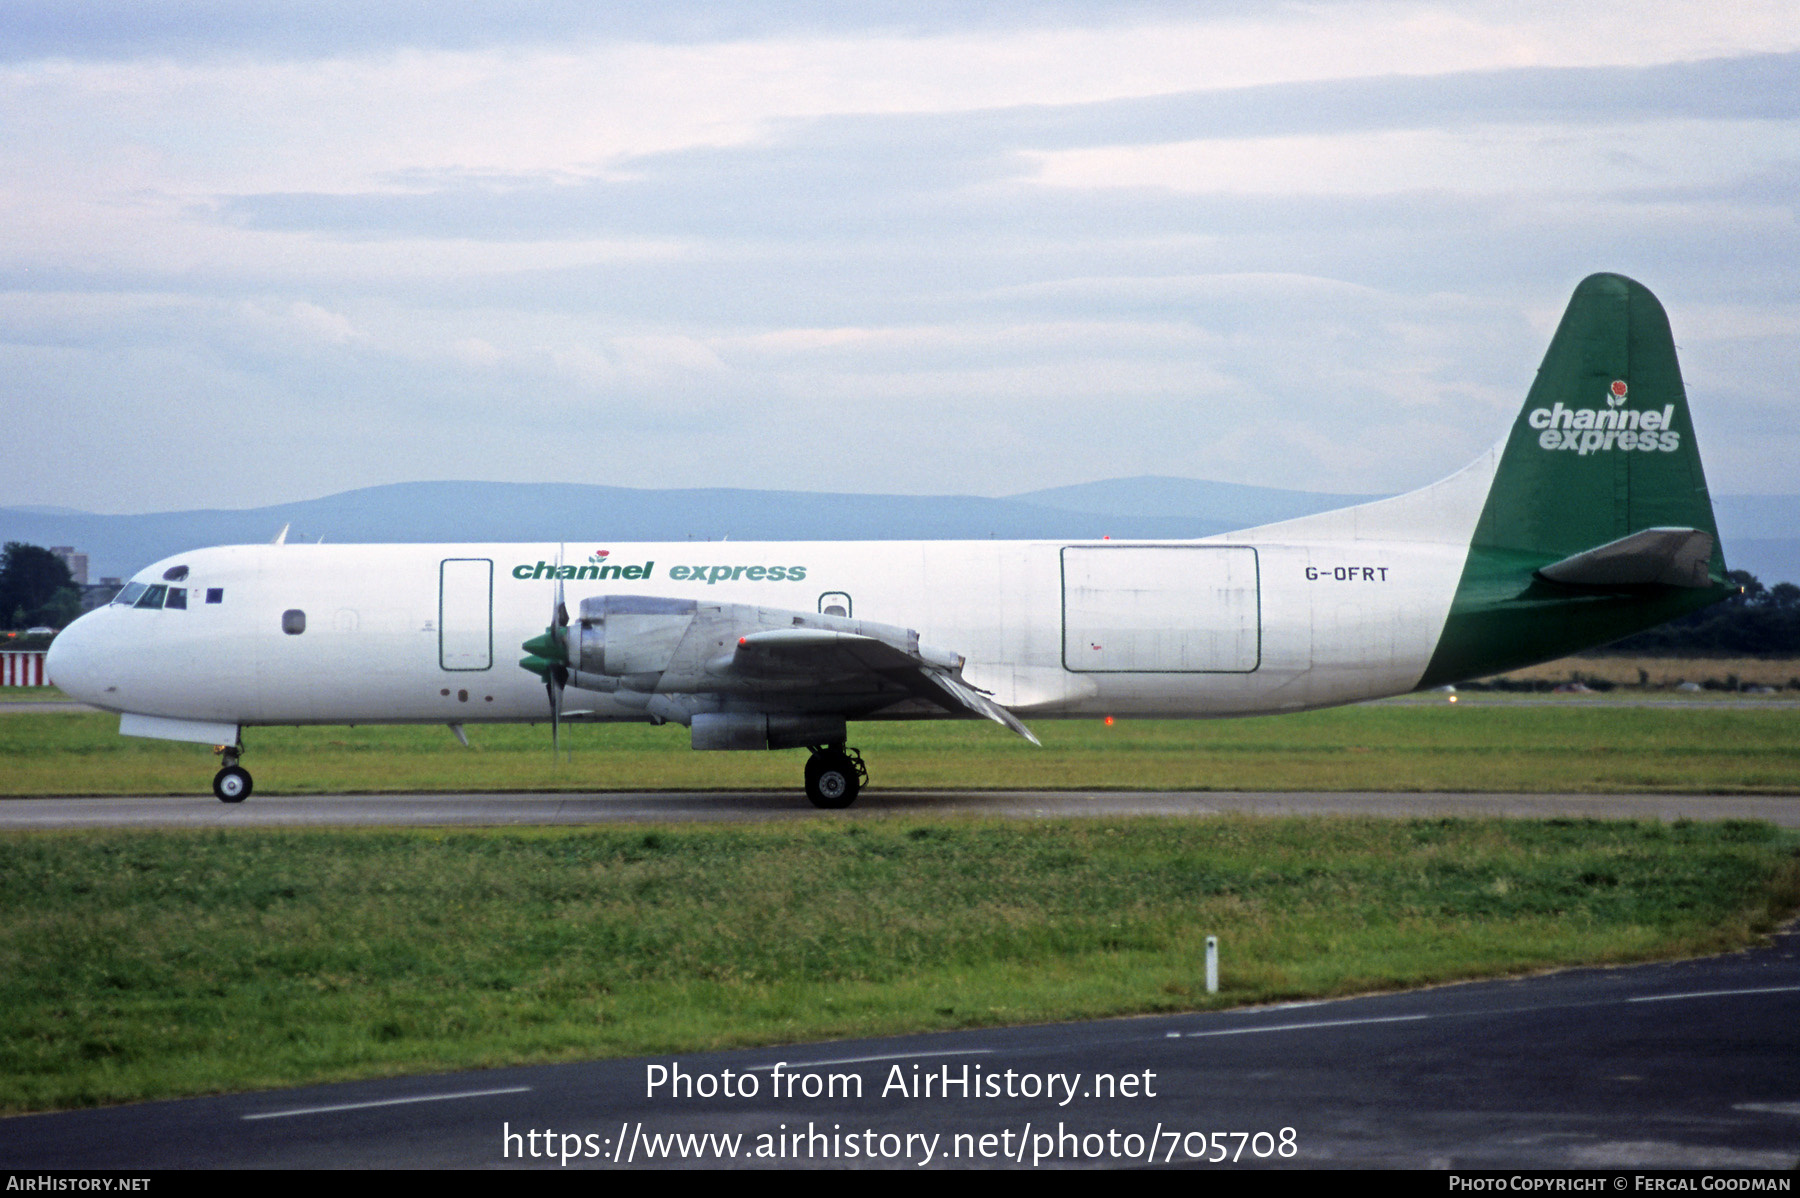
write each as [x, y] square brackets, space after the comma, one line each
[1166, 609]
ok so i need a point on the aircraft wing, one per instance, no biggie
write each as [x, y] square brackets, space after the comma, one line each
[767, 659]
[934, 677]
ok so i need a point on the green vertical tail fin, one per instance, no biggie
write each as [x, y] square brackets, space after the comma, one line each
[1598, 523]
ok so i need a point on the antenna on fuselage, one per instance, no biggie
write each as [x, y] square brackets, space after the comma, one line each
[281, 537]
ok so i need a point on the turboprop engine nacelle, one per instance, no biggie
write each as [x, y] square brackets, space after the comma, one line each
[621, 635]
[752, 730]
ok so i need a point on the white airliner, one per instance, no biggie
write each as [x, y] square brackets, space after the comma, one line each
[1589, 522]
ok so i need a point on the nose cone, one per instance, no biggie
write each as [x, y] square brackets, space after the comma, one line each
[74, 661]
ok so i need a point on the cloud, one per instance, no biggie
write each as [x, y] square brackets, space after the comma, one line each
[124, 29]
[877, 247]
[1566, 131]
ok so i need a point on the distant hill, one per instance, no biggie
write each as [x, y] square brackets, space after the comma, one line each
[1147, 495]
[1761, 533]
[478, 511]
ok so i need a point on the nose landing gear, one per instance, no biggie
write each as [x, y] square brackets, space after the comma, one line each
[232, 784]
[834, 775]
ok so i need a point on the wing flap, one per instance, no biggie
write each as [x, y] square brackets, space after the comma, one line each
[928, 673]
[967, 698]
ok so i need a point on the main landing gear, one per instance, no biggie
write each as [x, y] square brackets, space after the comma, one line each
[232, 784]
[834, 775]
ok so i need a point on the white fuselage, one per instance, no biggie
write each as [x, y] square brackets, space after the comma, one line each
[1312, 612]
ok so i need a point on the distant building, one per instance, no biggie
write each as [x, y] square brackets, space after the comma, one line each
[99, 594]
[77, 562]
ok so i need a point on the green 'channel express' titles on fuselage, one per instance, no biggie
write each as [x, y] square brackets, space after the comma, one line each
[708, 574]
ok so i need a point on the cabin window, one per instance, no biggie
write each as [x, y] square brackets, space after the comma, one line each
[175, 574]
[834, 603]
[177, 599]
[215, 594]
[129, 595]
[293, 621]
[152, 597]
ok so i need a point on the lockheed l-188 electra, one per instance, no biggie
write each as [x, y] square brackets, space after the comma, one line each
[1589, 521]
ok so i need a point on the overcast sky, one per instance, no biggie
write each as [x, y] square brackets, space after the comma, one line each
[255, 252]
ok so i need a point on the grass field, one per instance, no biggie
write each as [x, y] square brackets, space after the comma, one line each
[148, 964]
[32, 694]
[137, 964]
[1571, 745]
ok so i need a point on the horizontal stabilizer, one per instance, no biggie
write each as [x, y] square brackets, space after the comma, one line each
[1676, 557]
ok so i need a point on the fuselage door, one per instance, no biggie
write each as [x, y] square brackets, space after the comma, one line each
[466, 613]
[1176, 609]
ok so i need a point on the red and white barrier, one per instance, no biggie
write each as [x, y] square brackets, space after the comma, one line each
[23, 669]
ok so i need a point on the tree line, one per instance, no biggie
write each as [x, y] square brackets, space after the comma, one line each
[36, 588]
[1758, 621]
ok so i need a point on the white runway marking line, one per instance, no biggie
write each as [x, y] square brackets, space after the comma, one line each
[358, 1106]
[892, 1056]
[1297, 1027]
[1714, 994]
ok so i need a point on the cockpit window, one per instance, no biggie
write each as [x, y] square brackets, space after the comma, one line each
[177, 599]
[175, 574]
[215, 594]
[129, 595]
[152, 597]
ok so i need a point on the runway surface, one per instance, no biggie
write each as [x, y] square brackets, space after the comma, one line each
[1690, 1065]
[274, 811]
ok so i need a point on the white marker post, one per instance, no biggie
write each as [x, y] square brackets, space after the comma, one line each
[1212, 964]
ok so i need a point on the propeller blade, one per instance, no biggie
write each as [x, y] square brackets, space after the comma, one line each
[559, 614]
[557, 676]
[549, 657]
[555, 688]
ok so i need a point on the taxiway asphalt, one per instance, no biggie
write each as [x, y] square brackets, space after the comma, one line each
[1687, 1065]
[414, 810]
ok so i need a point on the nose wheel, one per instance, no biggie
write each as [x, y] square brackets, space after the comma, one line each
[834, 775]
[232, 784]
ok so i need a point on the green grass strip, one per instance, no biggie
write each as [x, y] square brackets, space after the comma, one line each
[1413, 747]
[140, 965]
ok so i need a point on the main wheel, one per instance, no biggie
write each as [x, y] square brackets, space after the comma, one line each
[831, 780]
[232, 784]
